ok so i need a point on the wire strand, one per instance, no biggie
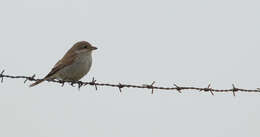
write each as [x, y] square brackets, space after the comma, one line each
[120, 86]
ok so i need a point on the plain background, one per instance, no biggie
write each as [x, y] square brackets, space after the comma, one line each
[188, 42]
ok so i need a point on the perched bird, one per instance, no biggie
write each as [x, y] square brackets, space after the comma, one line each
[73, 66]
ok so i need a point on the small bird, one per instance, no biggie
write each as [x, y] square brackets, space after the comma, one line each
[73, 66]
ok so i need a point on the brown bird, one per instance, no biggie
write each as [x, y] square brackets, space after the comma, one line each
[75, 64]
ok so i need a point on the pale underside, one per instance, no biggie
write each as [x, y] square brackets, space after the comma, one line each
[76, 70]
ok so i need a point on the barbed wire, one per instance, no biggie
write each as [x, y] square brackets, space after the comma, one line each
[120, 86]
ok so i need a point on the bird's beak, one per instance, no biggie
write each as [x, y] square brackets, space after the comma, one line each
[93, 48]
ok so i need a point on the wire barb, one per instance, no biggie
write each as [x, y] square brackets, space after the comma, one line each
[150, 86]
[120, 86]
[177, 88]
[234, 89]
[209, 89]
[2, 76]
[29, 78]
[93, 82]
[80, 84]
[62, 82]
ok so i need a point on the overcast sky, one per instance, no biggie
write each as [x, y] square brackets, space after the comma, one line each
[188, 42]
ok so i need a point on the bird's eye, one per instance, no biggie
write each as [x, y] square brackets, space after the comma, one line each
[85, 47]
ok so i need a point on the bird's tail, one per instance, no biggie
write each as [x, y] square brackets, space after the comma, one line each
[37, 82]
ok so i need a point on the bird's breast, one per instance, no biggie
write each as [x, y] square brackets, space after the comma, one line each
[79, 68]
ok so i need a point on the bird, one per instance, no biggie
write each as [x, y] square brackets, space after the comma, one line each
[74, 65]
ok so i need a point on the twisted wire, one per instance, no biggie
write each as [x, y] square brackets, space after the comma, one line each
[120, 86]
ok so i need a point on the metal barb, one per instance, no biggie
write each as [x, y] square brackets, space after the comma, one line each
[25, 80]
[178, 88]
[234, 90]
[1, 75]
[32, 77]
[2, 72]
[151, 86]
[80, 84]
[93, 82]
[62, 83]
[120, 86]
[210, 89]
[29, 78]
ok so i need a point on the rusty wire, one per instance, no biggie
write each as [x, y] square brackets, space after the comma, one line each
[120, 86]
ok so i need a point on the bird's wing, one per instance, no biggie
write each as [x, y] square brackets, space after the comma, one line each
[65, 61]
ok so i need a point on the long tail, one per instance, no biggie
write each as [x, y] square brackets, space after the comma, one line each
[37, 82]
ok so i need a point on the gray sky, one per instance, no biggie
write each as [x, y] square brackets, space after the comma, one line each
[191, 43]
